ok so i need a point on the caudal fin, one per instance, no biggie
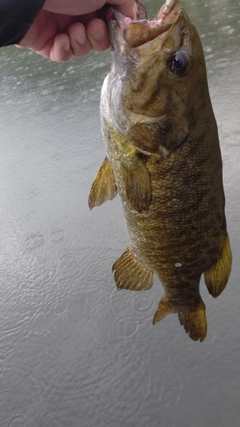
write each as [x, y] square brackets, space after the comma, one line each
[192, 318]
[194, 321]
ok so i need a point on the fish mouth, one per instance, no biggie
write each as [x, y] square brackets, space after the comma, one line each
[140, 30]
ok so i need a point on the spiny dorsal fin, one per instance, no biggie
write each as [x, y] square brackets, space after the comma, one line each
[217, 276]
[104, 186]
[130, 274]
[163, 309]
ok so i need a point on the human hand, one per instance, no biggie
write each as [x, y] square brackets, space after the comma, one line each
[66, 28]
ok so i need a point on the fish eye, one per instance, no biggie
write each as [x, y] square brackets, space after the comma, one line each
[179, 61]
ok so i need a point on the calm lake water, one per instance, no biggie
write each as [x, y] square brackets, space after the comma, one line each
[75, 352]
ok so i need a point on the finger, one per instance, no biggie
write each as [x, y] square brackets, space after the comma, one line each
[126, 7]
[61, 49]
[78, 39]
[57, 49]
[76, 7]
[73, 7]
[97, 34]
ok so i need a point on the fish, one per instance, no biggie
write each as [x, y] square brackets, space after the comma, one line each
[164, 161]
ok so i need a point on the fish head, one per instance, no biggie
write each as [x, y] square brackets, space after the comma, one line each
[157, 86]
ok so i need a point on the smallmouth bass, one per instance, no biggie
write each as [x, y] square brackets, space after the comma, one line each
[164, 161]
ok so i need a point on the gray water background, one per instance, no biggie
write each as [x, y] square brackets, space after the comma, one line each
[75, 352]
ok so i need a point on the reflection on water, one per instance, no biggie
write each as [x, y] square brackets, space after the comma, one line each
[73, 350]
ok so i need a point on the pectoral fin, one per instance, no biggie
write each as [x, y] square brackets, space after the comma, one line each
[104, 186]
[137, 181]
[130, 274]
[217, 276]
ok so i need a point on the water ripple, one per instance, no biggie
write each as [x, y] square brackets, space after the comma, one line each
[11, 397]
[34, 241]
[60, 307]
[126, 327]
[142, 302]
[2, 364]
[68, 259]
[50, 422]
[57, 236]
[18, 420]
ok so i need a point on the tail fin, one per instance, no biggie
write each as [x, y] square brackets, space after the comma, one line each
[192, 318]
[194, 321]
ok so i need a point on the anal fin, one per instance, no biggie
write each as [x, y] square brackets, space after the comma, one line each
[104, 186]
[130, 274]
[163, 309]
[217, 276]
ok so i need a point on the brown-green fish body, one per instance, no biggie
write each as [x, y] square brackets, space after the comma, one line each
[164, 161]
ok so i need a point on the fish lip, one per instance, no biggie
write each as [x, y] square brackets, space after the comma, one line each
[137, 32]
